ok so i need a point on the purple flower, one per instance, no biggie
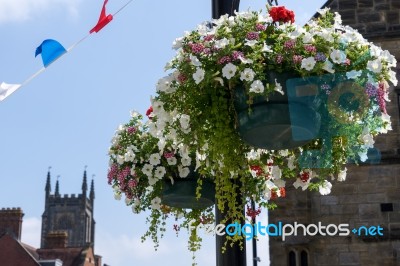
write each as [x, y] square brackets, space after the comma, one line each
[370, 90]
[320, 57]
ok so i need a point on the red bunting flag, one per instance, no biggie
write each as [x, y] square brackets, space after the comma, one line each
[103, 20]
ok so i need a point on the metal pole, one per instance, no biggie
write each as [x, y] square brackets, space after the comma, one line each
[222, 7]
[253, 220]
[233, 256]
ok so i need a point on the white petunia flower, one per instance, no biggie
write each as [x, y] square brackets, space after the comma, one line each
[198, 76]
[195, 61]
[134, 114]
[257, 86]
[251, 43]
[278, 87]
[117, 196]
[375, 66]
[165, 84]
[155, 159]
[266, 48]
[308, 63]
[323, 11]
[247, 74]
[291, 162]
[308, 37]
[229, 70]
[160, 172]
[342, 175]
[392, 77]
[353, 74]
[325, 188]
[177, 43]
[171, 161]
[156, 203]
[184, 121]
[129, 156]
[219, 44]
[328, 66]
[153, 180]
[120, 159]
[338, 56]
[147, 169]
[186, 161]
[183, 171]
[363, 155]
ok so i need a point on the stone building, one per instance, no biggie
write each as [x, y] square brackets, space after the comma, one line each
[370, 196]
[67, 237]
[72, 214]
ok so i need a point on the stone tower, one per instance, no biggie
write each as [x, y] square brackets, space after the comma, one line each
[69, 215]
[371, 194]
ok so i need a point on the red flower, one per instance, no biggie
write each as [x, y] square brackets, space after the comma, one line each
[283, 192]
[149, 112]
[281, 14]
[304, 176]
[257, 169]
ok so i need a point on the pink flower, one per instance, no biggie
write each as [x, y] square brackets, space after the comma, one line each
[131, 130]
[223, 60]
[290, 44]
[310, 48]
[260, 27]
[197, 48]
[252, 35]
[297, 59]
[279, 59]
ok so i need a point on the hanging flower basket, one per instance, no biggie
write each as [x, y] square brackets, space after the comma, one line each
[229, 80]
[272, 122]
[183, 193]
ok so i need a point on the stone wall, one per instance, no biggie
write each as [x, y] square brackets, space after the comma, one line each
[371, 194]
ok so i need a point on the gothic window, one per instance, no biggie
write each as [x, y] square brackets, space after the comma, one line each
[297, 258]
[64, 223]
[304, 258]
[292, 258]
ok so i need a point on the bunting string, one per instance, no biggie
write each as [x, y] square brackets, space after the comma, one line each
[51, 50]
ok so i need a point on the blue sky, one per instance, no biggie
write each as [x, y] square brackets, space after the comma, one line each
[66, 116]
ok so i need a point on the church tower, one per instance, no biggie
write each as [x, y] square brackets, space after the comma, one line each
[70, 215]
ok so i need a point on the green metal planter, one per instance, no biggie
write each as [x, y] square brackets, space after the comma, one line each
[276, 123]
[182, 194]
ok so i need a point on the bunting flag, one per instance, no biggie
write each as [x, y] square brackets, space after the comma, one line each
[51, 50]
[103, 19]
[7, 89]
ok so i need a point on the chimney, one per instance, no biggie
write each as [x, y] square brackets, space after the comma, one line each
[56, 239]
[11, 221]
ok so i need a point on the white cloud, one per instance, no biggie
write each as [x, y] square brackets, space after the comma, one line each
[22, 10]
[125, 249]
[31, 230]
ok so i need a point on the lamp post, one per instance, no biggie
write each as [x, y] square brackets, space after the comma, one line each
[233, 256]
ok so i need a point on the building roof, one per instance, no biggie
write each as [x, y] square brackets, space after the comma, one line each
[14, 253]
